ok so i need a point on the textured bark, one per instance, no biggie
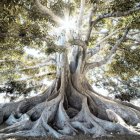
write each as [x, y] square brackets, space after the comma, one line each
[67, 109]
[70, 106]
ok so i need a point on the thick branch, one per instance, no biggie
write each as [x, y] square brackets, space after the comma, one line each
[78, 42]
[94, 8]
[107, 58]
[96, 49]
[26, 68]
[81, 13]
[93, 51]
[45, 10]
[9, 61]
[116, 14]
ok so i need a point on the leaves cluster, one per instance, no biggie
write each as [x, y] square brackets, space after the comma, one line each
[126, 62]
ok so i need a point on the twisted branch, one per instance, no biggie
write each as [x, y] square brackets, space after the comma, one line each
[89, 66]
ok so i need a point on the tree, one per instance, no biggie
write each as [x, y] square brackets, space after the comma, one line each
[69, 105]
[15, 90]
[115, 86]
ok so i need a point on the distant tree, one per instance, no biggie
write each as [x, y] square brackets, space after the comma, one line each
[14, 89]
[117, 88]
[76, 36]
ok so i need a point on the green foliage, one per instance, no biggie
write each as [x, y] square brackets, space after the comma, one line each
[126, 62]
[13, 86]
[134, 21]
[16, 89]
[21, 24]
[53, 49]
[52, 68]
[92, 41]
[111, 6]
[122, 5]
[116, 86]
[50, 51]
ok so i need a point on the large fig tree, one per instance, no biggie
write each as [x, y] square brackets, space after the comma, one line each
[81, 36]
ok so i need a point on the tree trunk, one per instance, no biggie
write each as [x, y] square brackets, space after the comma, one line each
[68, 107]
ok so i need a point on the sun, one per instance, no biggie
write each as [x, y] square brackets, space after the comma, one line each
[66, 28]
[68, 23]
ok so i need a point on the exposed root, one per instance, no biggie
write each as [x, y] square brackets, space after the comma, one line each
[12, 120]
[62, 121]
[129, 115]
[23, 106]
[64, 113]
[36, 111]
[115, 117]
[19, 126]
[85, 122]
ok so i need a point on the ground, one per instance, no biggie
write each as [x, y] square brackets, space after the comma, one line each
[84, 137]
[78, 137]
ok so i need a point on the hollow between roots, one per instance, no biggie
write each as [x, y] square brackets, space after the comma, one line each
[64, 111]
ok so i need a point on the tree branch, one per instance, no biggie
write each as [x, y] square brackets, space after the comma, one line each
[93, 51]
[133, 39]
[107, 37]
[94, 8]
[78, 42]
[89, 66]
[46, 39]
[8, 61]
[81, 13]
[27, 68]
[115, 14]
[44, 10]
[96, 49]
[134, 33]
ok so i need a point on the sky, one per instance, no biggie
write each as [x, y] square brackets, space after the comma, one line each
[33, 52]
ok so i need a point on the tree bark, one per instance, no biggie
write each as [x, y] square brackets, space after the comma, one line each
[70, 106]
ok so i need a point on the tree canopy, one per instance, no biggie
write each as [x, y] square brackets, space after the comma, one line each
[24, 25]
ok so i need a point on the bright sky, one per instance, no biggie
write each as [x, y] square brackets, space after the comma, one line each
[33, 52]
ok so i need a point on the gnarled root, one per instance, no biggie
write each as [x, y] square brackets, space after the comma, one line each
[130, 115]
[19, 126]
[21, 107]
[64, 112]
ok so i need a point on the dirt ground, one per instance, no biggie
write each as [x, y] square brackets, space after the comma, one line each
[82, 137]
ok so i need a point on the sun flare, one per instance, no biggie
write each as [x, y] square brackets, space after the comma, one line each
[68, 23]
